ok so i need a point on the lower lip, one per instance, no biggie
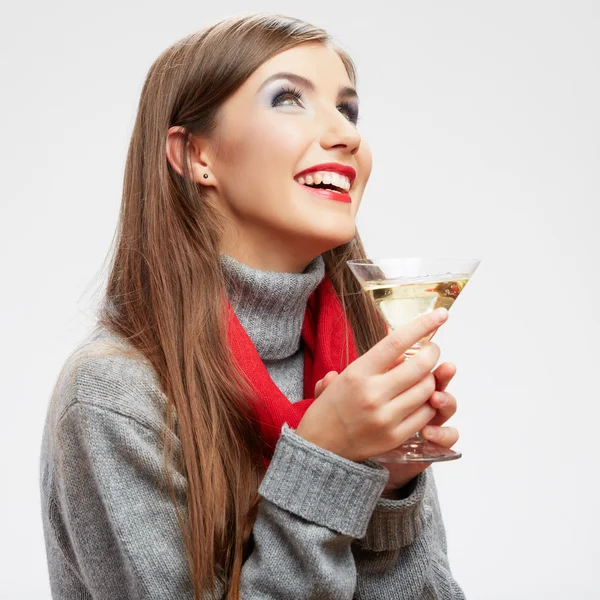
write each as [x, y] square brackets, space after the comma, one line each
[329, 194]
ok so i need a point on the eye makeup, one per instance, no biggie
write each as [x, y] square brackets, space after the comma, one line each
[351, 109]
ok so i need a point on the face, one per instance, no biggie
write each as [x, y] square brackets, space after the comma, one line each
[271, 129]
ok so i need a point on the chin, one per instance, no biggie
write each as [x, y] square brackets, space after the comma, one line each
[338, 236]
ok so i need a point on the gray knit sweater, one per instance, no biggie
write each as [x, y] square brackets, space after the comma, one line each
[322, 530]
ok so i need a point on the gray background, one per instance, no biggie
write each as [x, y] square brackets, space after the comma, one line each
[483, 121]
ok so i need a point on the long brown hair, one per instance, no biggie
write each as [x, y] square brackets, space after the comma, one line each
[165, 286]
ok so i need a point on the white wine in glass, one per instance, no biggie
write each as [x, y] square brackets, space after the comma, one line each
[403, 289]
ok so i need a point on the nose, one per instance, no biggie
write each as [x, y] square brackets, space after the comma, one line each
[340, 133]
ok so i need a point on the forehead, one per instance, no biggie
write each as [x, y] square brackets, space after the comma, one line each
[317, 62]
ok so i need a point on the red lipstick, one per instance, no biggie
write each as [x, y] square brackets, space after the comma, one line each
[336, 168]
[346, 170]
[329, 194]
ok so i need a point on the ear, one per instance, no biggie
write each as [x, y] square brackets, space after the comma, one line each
[197, 155]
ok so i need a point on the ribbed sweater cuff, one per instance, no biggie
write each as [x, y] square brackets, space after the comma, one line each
[396, 523]
[322, 487]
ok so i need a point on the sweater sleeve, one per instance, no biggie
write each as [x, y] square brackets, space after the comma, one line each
[110, 526]
[403, 554]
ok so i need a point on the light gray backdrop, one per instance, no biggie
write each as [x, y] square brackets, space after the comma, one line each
[483, 120]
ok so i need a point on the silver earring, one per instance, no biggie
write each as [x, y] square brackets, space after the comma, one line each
[205, 175]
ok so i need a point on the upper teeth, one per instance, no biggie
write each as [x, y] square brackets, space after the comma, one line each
[336, 179]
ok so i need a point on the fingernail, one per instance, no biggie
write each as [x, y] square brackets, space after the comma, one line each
[442, 398]
[440, 314]
[429, 431]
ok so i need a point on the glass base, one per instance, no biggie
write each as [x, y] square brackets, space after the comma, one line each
[418, 449]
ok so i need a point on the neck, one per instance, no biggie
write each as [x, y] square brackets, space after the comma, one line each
[270, 305]
[280, 261]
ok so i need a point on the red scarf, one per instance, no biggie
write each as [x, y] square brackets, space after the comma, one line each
[323, 332]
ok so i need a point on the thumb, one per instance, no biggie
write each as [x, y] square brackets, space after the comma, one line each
[322, 384]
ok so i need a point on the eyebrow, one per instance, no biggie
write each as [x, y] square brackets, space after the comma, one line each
[344, 91]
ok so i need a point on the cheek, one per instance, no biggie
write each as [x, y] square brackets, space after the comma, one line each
[364, 160]
[364, 164]
[268, 142]
[261, 159]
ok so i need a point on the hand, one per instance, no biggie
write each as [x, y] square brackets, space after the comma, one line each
[401, 473]
[374, 405]
[441, 400]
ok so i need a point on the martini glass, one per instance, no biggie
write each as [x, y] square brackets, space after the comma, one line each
[403, 289]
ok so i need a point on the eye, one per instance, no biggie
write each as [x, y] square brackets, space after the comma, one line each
[351, 110]
[296, 95]
[286, 91]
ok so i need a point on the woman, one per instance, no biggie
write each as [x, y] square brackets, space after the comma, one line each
[214, 431]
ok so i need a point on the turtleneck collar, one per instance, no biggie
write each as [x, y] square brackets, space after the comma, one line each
[270, 305]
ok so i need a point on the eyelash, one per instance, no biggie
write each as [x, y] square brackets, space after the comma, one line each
[292, 91]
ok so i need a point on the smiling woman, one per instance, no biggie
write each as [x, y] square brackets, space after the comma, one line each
[269, 131]
[172, 465]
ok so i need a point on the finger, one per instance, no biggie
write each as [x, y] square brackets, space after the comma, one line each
[400, 359]
[409, 373]
[445, 436]
[330, 377]
[399, 408]
[384, 354]
[443, 375]
[318, 388]
[445, 410]
[412, 424]
[322, 384]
